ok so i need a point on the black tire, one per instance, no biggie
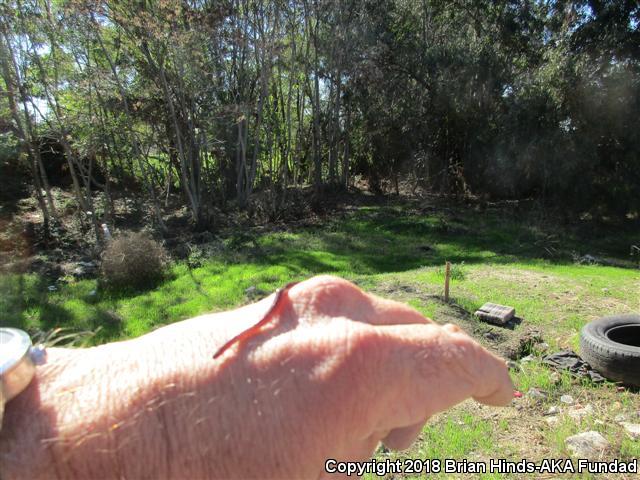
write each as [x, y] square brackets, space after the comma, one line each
[611, 345]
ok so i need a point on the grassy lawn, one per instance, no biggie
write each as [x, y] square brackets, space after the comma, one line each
[399, 251]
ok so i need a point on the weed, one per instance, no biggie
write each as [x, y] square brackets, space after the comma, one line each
[456, 272]
[132, 261]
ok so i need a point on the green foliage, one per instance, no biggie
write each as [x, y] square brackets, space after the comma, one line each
[9, 150]
[219, 99]
[456, 272]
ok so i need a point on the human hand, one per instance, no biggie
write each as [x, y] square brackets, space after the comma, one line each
[332, 373]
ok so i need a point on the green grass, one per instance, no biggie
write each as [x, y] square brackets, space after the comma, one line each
[457, 437]
[492, 259]
[460, 436]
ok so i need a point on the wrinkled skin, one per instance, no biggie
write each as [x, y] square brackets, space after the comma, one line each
[335, 372]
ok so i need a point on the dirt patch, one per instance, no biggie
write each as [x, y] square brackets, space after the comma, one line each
[528, 277]
[509, 343]
[513, 342]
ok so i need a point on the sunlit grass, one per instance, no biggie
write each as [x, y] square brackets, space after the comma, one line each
[458, 436]
[493, 260]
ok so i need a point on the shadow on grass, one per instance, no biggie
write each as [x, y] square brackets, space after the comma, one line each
[369, 241]
[106, 324]
[27, 303]
[384, 240]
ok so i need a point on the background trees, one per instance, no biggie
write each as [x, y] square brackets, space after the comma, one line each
[216, 100]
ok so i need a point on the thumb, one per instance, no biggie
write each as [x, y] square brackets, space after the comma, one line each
[430, 368]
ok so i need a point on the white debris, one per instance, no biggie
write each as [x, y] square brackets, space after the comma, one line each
[553, 410]
[541, 347]
[578, 411]
[568, 399]
[106, 232]
[536, 394]
[527, 359]
[632, 429]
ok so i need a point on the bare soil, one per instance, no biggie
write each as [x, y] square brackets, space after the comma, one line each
[506, 341]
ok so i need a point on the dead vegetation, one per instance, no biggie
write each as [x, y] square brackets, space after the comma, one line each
[133, 261]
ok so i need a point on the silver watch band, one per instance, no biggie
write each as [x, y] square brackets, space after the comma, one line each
[17, 364]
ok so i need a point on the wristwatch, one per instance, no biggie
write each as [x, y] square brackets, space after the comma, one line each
[18, 360]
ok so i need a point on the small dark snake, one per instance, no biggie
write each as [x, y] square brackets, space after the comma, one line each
[255, 329]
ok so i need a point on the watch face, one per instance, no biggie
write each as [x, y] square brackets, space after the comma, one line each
[14, 344]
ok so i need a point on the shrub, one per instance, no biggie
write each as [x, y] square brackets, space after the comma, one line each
[133, 261]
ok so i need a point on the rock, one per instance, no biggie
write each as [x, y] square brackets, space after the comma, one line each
[568, 399]
[587, 444]
[632, 429]
[553, 420]
[536, 394]
[578, 411]
[255, 292]
[541, 347]
[109, 317]
[553, 410]
[511, 365]
[589, 260]
[84, 269]
[621, 417]
[527, 359]
[555, 378]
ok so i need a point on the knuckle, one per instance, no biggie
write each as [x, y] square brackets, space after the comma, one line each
[327, 283]
[326, 293]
